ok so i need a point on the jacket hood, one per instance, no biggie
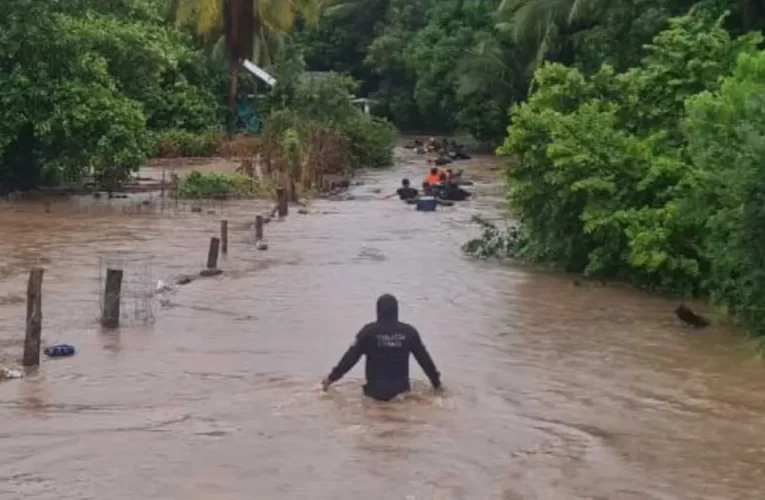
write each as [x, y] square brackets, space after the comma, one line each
[387, 308]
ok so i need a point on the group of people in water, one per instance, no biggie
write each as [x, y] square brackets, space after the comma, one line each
[444, 185]
[446, 151]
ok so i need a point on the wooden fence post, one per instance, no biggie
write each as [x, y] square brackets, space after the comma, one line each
[34, 318]
[258, 227]
[282, 201]
[110, 315]
[224, 236]
[212, 254]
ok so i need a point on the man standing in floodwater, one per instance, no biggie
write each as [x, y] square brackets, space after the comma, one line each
[387, 344]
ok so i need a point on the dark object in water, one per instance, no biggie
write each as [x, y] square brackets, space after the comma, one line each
[427, 204]
[207, 273]
[414, 144]
[689, 317]
[439, 201]
[458, 152]
[185, 280]
[59, 351]
[443, 159]
[453, 192]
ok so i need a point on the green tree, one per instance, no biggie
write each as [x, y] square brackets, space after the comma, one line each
[63, 113]
[602, 171]
[726, 142]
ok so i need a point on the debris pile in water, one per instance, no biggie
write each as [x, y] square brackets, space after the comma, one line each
[9, 373]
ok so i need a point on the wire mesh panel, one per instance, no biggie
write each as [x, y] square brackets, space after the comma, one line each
[138, 286]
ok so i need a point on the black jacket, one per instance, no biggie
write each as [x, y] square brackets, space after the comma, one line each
[406, 193]
[387, 344]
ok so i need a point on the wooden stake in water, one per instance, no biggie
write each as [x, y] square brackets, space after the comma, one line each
[258, 227]
[110, 315]
[224, 236]
[34, 318]
[282, 202]
[212, 254]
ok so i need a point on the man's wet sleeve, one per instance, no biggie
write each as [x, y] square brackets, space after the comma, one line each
[422, 356]
[349, 359]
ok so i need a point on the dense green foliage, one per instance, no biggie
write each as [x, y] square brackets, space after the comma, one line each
[653, 174]
[308, 111]
[456, 65]
[83, 83]
[197, 185]
[435, 66]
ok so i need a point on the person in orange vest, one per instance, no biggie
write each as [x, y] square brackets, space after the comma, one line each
[433, 177]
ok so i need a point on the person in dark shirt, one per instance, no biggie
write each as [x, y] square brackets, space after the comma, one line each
[453, 192]
[387, 344]
[405, 192]
[449, 190]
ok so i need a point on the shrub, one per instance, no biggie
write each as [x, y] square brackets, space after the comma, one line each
[312, 128]
[371, 142]
[177, 143]
[493, 242]
[197, 185]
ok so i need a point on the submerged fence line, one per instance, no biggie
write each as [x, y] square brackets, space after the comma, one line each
[124, 276]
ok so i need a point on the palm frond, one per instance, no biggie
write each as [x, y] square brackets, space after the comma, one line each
[343, 8]
[209, 16]
[484, 67]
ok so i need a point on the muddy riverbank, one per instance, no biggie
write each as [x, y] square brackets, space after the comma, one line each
[553, 391]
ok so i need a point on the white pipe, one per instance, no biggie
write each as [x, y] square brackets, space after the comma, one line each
[259, 72]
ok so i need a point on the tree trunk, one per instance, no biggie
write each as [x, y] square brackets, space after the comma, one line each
[233, 71]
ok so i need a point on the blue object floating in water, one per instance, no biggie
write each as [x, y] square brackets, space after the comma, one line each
[426, 204]
[59, 351]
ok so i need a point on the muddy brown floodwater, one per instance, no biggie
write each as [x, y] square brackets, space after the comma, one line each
[554, 391]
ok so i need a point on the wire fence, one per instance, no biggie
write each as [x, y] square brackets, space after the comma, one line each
[139, 293]
[137, 288]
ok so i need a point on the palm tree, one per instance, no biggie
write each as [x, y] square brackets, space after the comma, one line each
[489, 64]
[246, 29]
[541, 23]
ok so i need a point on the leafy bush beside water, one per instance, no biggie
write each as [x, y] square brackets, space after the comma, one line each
[655, 175]
[178, 143]
[371, 141]
[493, 241]
[83, 84]
[312, 128]
[197, 185]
